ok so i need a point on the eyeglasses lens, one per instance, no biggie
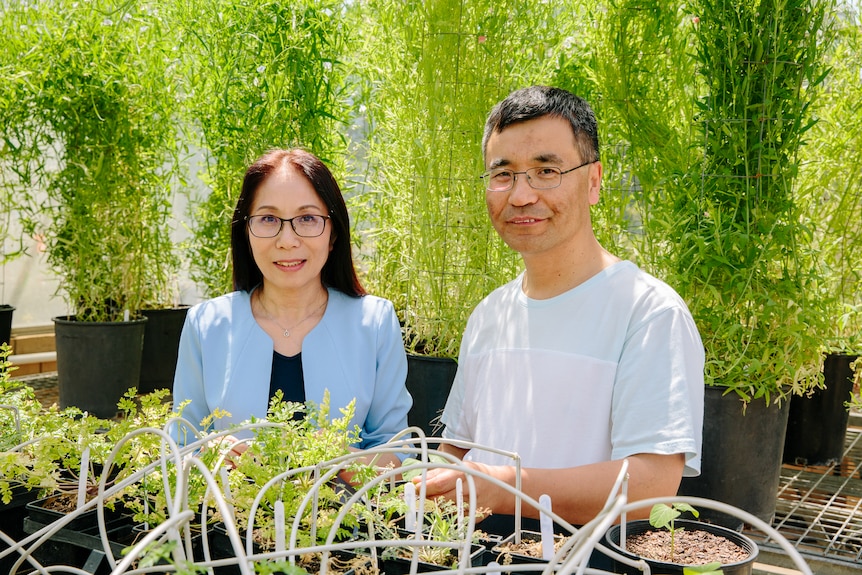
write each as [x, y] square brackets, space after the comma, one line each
[308, 226]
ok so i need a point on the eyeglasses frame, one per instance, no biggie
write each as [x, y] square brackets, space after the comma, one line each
[281, 225]
[530, 182]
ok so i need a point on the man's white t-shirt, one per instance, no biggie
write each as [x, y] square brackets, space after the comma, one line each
[609, 369]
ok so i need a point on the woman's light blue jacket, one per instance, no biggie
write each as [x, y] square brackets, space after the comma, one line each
[356, 351]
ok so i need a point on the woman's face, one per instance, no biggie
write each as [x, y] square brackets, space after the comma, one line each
[288, 261]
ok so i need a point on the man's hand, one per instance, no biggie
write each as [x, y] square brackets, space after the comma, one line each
[443, 482]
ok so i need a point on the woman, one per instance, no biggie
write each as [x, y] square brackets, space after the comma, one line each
[300, 320]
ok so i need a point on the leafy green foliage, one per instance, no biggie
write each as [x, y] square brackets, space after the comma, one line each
[440, 523]
[42, 449]
[279, 567]
[662, 516]
[101, 96]
[20, 136]
[643, 70]
[160, 553]
[294, 443]
[743, 258]
[830, 181]
[146, 499]
[432, 72]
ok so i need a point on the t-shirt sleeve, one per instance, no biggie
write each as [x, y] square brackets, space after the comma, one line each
[658, 395]
[453, 412]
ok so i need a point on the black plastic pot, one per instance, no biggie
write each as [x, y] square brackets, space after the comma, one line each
[817, 424]
[140, 530]
[161, 344]
[401, 565]
[42, 512]
[496, 550]
[221, 548]
[612, 540]
[503, 556]
[742, 453]
[12, 516]
[338, 560]
[79, 543]
[6, 323]
[97, 362]
[429, 380]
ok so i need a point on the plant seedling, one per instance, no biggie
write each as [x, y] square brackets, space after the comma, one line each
[663, 516]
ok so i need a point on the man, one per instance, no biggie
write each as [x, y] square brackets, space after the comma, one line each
[583, 360]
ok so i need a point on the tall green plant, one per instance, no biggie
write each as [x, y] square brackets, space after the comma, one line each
[20, 135]
[643, 68]
[260, 74]
[743, 259]
[102, 104]
[831, 176]
[11, 239]
[435, 69]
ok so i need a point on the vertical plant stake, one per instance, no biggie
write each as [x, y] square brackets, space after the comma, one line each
[410, 500]
[459, 501]
[83, 477]
[547, 529]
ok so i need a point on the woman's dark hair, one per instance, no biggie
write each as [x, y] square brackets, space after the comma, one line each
[338, 271]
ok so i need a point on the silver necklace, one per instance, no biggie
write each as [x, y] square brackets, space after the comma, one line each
[286, 331]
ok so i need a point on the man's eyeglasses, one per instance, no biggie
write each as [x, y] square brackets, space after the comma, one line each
[539, 178]
[305, 226]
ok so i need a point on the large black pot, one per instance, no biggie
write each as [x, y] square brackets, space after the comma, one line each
[161, 344]
[742, 456]
[97, 362]
[817, 424]
[6, 323]
[744, 567]
[429, 380]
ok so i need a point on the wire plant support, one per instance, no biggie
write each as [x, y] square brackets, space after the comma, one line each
[188, 516]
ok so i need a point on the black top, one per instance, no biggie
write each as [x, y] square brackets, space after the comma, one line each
[287, 376]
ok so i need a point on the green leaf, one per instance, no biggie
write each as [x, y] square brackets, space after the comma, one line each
[411, 473]
[708, 569]
[661, 515]
[684, 507]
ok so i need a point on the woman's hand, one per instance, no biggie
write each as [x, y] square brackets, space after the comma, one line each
[228, 445]
[379, 461]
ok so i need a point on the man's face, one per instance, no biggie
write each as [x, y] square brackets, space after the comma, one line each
[544, 222]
